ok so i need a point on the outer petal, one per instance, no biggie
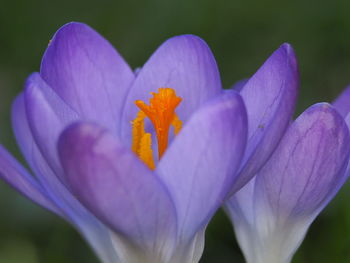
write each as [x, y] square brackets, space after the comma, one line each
[117, 187]
[16, 176]
[87, 73]
[301, 177]
[35, 158]
[270, 97]
[184, 63]
[47, 116]
[95, 232]
[311, 160]
[199, 167]
[342, 103]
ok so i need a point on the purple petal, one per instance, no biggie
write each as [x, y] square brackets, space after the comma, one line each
[342, 102]
[238, 86]
[43, 160]
[96, 233]
[183, 63]
[270, 97]
[118, 188]
[240, 207]
[17, 176]
[87, 73]
[310, 162]
[47, 116]
[199, 167]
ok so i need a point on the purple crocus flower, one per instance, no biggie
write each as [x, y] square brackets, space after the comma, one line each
[91, 148]
[271, 214]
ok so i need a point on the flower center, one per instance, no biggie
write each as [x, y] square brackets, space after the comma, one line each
[161, 112]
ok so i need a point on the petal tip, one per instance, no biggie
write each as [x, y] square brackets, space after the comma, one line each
[72, 26]
[320, 107]
[289, 54]
[80, 129]
[31, 84]
[329, 116]
[188, 40]
[31, 79]
[186, 37]
[67, 33]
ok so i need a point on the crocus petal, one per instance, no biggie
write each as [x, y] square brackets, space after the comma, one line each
[301, 177]
[87, 73]
[310, 159]
[183, 63]
[342, 102]
[23, 133]
[98, 237]
[92, 230]
[47, 116]
[238, 86]
[17, 176]
[270, 97]
[44, 173]
[207, 152]
[118, 188]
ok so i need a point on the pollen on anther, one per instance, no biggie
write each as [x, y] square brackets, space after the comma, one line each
[145, 152]
[177, 124]
[138, 130]
[142, 141]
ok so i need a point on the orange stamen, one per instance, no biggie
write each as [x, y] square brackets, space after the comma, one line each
[161, 112]
[142, 141]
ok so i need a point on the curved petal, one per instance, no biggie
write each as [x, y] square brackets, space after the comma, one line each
[17, 176]
[183, 63]
[311, 161]
[270, 98]
[301, 177]
[93, 231]
[42, 169]
[87, 73]
[110, 181]
[342, 102]
[47, 116]
[200, 166]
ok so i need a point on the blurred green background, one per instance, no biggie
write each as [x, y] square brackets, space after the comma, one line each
[242, 34]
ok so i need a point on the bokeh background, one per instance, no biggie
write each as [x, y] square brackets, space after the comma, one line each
[242, 34]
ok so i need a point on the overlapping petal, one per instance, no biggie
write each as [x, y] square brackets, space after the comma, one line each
[87, 73]
[311, 162]
[95, 232]
[17, 176]
[46, 177]
[47, 116]
[117, 187]
[342, 102]
[270, 98]
[40, 151]
[301, 177]
[183, 63]
[207, 152]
